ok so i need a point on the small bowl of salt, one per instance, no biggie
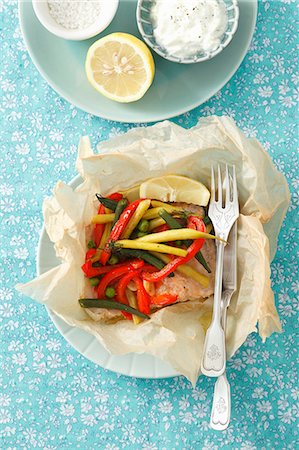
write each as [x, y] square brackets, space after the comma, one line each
[75, 20]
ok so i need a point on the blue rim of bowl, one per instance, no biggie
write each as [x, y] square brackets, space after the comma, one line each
[191, 60]
[120, 119]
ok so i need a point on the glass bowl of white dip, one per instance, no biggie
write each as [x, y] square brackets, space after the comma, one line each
[189, 31]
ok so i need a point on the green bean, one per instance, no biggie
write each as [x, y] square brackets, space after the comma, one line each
[142, 254]
[143, 226]
[110, 304]
[122, 204]
[171, 221]
[107, 202]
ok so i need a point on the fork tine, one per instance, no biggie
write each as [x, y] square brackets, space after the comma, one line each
[212, 184]
[219, 186]
[227, 186]
[235, 189]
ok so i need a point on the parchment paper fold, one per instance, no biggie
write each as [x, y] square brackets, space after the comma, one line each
[175, 334]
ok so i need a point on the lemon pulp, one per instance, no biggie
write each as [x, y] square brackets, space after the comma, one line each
[175, 188]
[120, 67]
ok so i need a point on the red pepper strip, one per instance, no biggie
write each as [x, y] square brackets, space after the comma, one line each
[193, 222]
[89, 254]
[118, 229]
[99, 228]
[196, 223]
[143, 299]
[163, 227]
[98, 233]
[123, 283]
[91, 271]
[121, 290]
[163, 299]
[117, 196]
[101, 209]
[113, 274]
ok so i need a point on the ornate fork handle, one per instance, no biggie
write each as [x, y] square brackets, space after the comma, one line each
[221, 408]
[214, 356]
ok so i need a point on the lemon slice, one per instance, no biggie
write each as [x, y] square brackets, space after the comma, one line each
[120, 67]
[175, 188]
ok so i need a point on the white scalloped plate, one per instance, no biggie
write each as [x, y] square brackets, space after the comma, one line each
[132, 364]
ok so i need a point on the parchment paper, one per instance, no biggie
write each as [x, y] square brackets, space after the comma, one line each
[175, 334]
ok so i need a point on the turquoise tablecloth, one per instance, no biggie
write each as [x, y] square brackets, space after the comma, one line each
[53, 398]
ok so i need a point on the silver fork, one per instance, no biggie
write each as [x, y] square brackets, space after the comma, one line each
[220, 415]
[222, 217]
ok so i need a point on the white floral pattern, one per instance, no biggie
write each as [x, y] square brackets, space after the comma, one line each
[53, 398]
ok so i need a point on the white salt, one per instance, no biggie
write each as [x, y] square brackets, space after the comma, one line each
[74, 14]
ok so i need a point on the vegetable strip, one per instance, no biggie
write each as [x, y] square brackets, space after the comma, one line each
[116, 273]
[154, 212]
[171, 221]
[136, 218]
[110, 304]
[143, 299]
[103, 218]
[156, 223]
[118, 229]
[138, 244]
[176, 262]
[142, 254]
[122, 204]
[174, 235]
[110, 203]
[133, 302]
[175, 224]
[189, 272]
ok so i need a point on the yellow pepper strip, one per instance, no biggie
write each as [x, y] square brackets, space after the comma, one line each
[103, 218]
[135, 219]
[154, 212]
[135, 243]
[106, 234]
[133, 302]
[158, 204]
[104, 238]
[177, 235]
[156, 223]
[186, 270]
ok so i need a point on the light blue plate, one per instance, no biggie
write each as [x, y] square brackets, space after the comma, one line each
[177, 88]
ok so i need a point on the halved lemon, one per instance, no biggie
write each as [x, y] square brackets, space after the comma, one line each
[120, 67]
[175, 188]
